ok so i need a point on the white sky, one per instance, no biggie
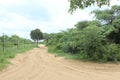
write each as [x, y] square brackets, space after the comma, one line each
[21, 16]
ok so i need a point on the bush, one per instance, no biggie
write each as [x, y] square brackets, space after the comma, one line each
[112, 53]
[90, 43]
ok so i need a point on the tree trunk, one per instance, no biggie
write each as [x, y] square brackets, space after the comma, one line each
[37, 43]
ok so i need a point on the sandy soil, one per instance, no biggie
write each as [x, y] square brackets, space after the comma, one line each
[38, 64]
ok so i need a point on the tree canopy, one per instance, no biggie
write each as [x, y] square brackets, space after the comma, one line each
[110, 17]
[81, 4]
[36, 35]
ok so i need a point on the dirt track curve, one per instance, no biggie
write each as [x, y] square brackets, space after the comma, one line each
[38, 64]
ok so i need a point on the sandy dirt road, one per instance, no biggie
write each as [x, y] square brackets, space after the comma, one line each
[38, 64]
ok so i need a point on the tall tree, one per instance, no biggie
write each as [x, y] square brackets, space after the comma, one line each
[36, 35]
[81, 4]
[110, 17]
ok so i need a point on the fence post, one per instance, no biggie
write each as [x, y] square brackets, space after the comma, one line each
[17, 43]
[24, 43]
[3, 43]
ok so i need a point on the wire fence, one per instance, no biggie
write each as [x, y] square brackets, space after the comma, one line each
[7, 43]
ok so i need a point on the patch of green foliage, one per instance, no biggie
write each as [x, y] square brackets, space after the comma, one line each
[91, 40]
[81, 4]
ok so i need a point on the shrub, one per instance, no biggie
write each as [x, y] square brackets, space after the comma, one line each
[113, 52]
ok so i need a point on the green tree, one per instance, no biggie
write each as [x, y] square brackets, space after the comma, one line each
[92, 42]
[81, 4]
[36, 35]
[14, 39]
[110, 17]
[82, 24]
[95, 23]
[4, 37]
[46, 37]
[107, 16]
[104, 16]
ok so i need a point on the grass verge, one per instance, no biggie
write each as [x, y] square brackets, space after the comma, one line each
[77, 56]
[52, 50]
[11, 52]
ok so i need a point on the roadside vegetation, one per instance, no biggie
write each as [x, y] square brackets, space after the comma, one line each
[10, 46]
[97, 40]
